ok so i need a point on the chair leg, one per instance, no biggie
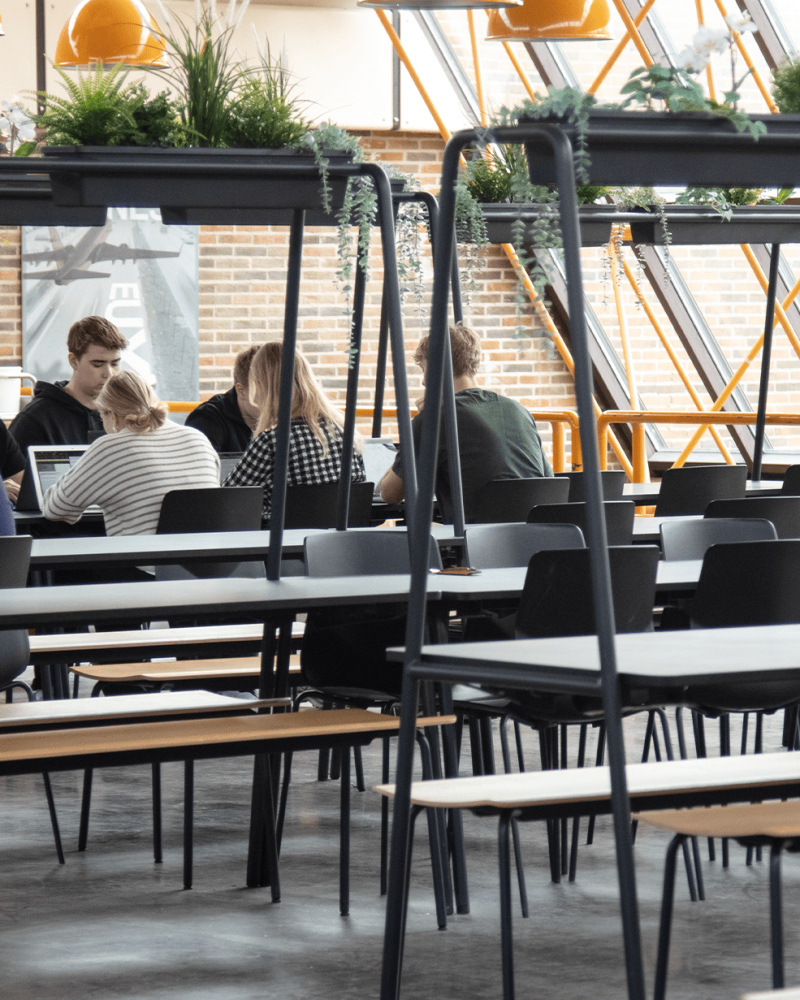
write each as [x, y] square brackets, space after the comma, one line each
[158, 856]
[86, 801]
[384, 820]
[518, 740]
[601, 749]
[438, 844]
[506, 939]
[666, 918]
[487, 745]
[359, 766]
[188, 822]
[287, 778]
[51, 808]
[415, 811]
[776, 914]
[344, 831]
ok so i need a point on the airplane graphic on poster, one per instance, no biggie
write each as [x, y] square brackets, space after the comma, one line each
[73, 261]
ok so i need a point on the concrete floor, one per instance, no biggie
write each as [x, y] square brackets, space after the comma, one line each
[112, 924]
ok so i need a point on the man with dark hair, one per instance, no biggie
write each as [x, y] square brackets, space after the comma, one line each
[229, 418]
[64, 412]
[497, 437]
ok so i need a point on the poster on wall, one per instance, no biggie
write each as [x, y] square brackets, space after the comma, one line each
[138, 273]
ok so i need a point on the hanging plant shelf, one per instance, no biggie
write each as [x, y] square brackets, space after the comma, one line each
[692, 225]
[595, 222]
[229, 179]
[27, 200]
[655, 147]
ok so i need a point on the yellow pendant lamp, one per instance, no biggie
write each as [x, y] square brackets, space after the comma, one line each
[111, 31]
[550, 21]
[437, 4]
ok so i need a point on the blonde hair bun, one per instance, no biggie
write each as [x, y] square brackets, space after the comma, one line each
[129, 397]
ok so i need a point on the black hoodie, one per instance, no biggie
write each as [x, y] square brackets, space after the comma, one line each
[220, 419]
[54, 417]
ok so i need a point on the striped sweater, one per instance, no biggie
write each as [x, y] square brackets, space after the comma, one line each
[127, 475]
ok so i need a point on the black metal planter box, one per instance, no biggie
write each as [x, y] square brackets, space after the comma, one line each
[192, 216]
[652, 147]
[145, 177]
[693, 225]
[500, 219]
[27, 200]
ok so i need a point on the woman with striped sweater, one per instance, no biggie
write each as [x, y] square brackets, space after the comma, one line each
[140, 459]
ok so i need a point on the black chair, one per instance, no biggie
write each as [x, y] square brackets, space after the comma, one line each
[489, 546]
[511, 499]
[557, 596]
[315, 505]
[214, 509]
[691, 490]
[619, 514]
[784, 512]
[791, 481]
[613, 484]
[15, 555]
[690, 539]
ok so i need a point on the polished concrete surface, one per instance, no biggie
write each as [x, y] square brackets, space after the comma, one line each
[111, 923]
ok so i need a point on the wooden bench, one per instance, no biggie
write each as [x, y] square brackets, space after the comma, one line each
[72, 747]
[538, 795]
[216, 651]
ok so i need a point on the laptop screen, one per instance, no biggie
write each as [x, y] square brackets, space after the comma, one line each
[228, 460]
[49, 463]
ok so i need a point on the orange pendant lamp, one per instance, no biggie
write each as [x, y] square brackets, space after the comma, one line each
[550, 21]
[437, 4]
[111, 31]
[1, 26]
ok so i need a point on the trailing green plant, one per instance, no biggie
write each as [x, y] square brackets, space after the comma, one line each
[786, 86]
[97, 111]
[722, 200]
[204, 72]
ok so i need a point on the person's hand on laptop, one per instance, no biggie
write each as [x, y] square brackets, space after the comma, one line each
[12, 488]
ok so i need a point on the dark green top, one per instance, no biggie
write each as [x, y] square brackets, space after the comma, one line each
[497, 439]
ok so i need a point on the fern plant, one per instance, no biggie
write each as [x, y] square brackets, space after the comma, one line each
[266, 114]
[99, 110]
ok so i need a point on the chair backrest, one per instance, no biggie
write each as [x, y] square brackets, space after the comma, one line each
[212, 509]
[557, 597]
[620, 515]
[784, 512]
[15, 556]
[613, 484]
[362, 553]
[691, 490]
[791, 481]
[748, 583]
[490, 546]
[690, 539]
[511, 499]
[315, 505]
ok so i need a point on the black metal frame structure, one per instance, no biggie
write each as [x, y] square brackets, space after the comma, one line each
[549, 148]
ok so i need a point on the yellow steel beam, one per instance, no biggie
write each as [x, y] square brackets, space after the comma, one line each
[476, 63]
[676, 362]
[619, 48]
[633, 30]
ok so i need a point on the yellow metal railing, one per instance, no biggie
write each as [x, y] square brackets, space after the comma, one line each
[637, 419]
[559, 421]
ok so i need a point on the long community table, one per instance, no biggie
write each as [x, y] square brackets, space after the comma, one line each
[646, 494]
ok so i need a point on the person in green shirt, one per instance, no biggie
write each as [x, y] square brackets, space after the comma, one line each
[497, 437]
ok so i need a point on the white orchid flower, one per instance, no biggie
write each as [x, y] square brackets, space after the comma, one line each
[693, 61]
[742, 22]
[708, 40]
[5, 128]
[27, 132]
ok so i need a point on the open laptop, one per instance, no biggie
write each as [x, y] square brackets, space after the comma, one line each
[378, 455]
[46, 464]
[228, 460]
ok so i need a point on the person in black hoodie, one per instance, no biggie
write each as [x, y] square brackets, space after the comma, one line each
[64, 412]
[229, 418]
